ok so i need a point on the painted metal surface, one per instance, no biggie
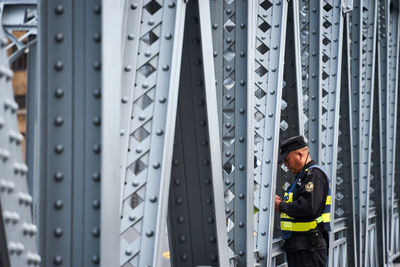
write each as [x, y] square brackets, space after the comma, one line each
[182, 122]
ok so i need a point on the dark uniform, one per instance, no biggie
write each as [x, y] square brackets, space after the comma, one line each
[305, 218]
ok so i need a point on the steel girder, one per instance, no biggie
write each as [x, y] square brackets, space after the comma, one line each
[267, 27]
[67, 188]
[204, 153]
[151, 60]
[196, 211]
[18, 234]
[229, 29]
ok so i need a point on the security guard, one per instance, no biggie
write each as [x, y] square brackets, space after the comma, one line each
[305, 208]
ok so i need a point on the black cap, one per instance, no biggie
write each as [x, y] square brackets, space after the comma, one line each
[288, 145]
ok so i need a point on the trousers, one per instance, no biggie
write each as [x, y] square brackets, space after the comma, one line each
[307, 258]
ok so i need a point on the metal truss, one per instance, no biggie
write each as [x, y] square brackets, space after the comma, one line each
[266, 51]
[18, 233]
[161, 119]
[151, 60]
[229, 28]
[19, 16]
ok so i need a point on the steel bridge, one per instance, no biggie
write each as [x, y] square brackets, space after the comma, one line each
[153, 129]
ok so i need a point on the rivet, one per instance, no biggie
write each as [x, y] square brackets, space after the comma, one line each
[59, 9]
[182, 238]
[165, 67]
[96, 65]
[181, 219]
[97, 9]
[212, 239]
[132, 218]
[128, 252]
[97, 121]
[242, 53]
[171, 5]
[149, 233]
[168, 36]
[58, 177]
[58, 204]
[134, 6]
[127, 68]
[95, 232]
[241, 195]
[153, 199]
[150, 22]
[97, 37]
[97, 148]
[184, 257]
[58, 232]
[156, 165]
[59, 121]
[213, 257]
[242, 25]
[59, 149]
[131, 37]
[59, 37]
[96, 176]
[95, 259]
[215, 26]
[96, 204]
[96, 93]
[59, 65]
[178, 200]
[241, 139]
[57, 260]
[159, 132]
[162, 100]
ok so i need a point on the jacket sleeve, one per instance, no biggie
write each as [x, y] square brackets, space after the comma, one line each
[309, 202]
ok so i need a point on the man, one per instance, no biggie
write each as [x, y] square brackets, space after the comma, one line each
[305, 208]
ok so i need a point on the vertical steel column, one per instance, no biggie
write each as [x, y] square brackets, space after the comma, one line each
[17, 233]
[196, 208]
[391, 112]
[344, 201]
[266, 80]
[152, 41]
[229, 28]
[382, 43]
[110, 132]
[330, 54]
[363, 28]
[307, 31]
[376, 178]
[69, 84]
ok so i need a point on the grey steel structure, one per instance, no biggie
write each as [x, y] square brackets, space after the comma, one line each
[154, 125]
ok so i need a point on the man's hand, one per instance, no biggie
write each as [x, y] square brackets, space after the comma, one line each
[277, 201]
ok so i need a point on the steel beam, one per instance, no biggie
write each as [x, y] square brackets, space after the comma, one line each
[69, 167]
[151, 65]
[18, 234]
[266, 80]
[229, 28]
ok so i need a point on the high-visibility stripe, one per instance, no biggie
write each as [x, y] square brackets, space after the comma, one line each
[326, 217]
[298, 226]
[285, 216]
[328, 200]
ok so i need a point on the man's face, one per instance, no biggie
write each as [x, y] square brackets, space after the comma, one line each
[292, 162]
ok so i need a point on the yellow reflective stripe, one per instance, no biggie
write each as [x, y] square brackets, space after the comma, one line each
[298, 226]
[328, 200]
[326, 217]
[290, 198]
[285, 216]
